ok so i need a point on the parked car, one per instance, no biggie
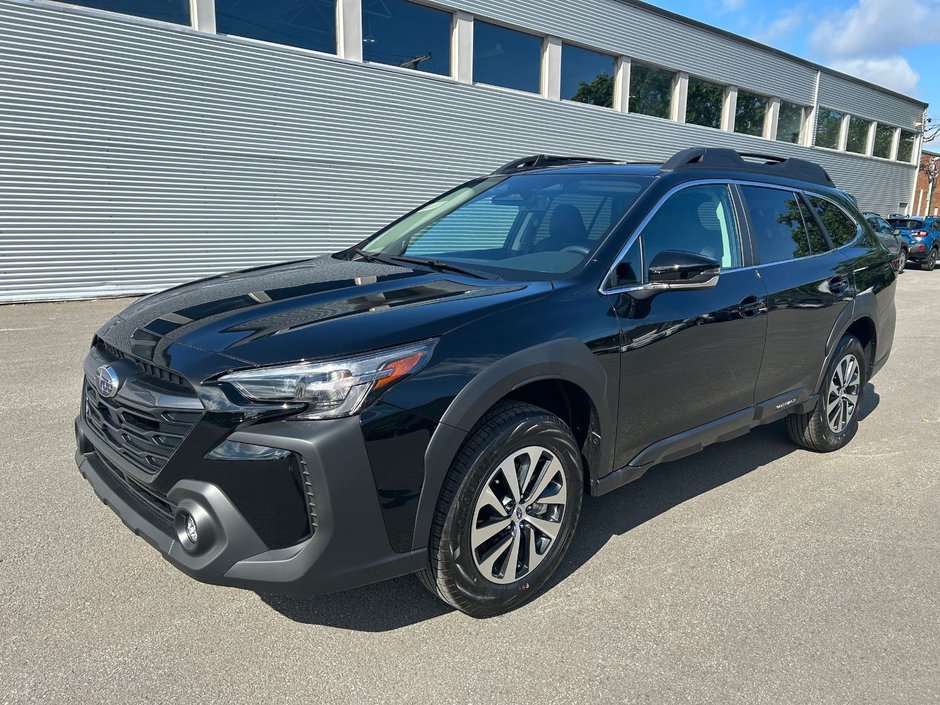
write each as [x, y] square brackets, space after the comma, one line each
[438, 398]
[890, 237]
[922, 238]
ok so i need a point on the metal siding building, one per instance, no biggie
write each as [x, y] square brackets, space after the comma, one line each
[135, 155]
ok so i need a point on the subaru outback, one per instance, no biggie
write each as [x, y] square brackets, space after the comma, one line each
[438, 399]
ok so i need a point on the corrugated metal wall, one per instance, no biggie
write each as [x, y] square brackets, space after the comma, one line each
[133, 157]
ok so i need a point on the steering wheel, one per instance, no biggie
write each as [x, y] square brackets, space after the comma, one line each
[577, 249]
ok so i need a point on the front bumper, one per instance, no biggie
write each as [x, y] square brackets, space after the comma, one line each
[349, 547]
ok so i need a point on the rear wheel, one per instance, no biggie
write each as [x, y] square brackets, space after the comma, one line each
[834, 421]
[931, 262]
[507, 512]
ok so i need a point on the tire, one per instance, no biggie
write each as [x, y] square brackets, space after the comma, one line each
[512, 436]
[823, 430]
[902, 260]
[930, 263]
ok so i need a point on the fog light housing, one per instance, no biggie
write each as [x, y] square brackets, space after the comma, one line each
[235, 450]
[192, 532]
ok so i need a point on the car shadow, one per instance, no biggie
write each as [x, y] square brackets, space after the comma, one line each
[402, 602]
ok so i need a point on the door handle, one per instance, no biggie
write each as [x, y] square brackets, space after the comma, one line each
[752, 306]
[838, 285]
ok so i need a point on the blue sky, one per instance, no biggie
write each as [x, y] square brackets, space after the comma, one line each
[888, 42]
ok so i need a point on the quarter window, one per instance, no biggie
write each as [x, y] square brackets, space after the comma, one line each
[587, 76]
[750, 113]
[857, 139]
[828, 128]
[841, 228]
[176, 11]
[884, 136]
[505, 57]
[401, 33]
[650, 90]
[777, 224]
[310, 24]
[790, 122]
[704, 103]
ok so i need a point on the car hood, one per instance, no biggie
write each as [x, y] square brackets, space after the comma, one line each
[318, 308]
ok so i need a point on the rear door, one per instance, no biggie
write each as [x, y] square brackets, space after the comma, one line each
[807, 279]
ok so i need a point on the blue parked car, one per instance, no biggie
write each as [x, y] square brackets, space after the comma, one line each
[922, 237]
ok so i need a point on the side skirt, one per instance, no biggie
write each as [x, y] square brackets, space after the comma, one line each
[695, 439]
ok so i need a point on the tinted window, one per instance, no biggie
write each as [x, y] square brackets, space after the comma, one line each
[841, 228]
[817, 241]
[906, 146]
[176, 11]
[309, 24]
[828, 128]
[857, 139]
[884, 136]
[777, 224]
[879, 225]
[905, 224]
[704, 103]
[587, 76]
[650, 90]
[749, 114]
[401, 33]
[790, 122]
[505, 57]
[697, 219]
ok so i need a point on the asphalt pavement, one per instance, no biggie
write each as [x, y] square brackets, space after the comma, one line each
[750, 573]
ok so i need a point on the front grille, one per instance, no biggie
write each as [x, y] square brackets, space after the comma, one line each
[157, 502]
[149, 369]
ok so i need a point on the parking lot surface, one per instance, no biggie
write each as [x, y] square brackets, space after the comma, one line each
[750, 573]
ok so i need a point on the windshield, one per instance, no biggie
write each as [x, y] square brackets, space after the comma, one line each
[906, 224]
[544, 224]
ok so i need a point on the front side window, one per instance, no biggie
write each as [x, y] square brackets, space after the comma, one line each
[884, 137]
[841, 228]
[175, 11]
[750, 113]
[308, 24]
[790, 122]
[828, 128]
[651, 90]
[402, 33]
[698, 219]
[778, 225]
[515, 226]
[506, 57]
[906, 146]
[857, 139]
[587, 76]
[704, 103]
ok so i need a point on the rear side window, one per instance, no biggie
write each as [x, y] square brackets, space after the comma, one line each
[841, 228]
[777, 223]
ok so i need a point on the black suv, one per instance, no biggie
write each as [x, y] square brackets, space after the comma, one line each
[438, 398]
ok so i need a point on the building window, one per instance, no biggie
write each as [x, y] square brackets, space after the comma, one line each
[906, 146]
[402, 33]
[704, 103]
[790, 121]
[587, 76]
[750, 113]
[505, 57]
[857, 139]
[308, 24]
[651, 90]
[828, 128]
[175, 11]
[884, 137]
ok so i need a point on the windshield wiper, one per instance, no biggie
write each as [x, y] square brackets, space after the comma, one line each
[370, 256]
[443, 266]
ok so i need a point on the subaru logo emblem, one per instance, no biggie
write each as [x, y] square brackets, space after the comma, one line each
[106, 381]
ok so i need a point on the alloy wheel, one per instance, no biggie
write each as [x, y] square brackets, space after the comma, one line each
[518, 515]
[842, 399]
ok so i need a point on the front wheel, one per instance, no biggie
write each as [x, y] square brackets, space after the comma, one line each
[507, 512]
[834, 421]
[902, 260]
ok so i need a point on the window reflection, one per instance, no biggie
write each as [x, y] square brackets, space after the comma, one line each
[505, 57]
[790, 122]
[175, 11]
[650, 90]
[857, 139]
[884, 137]
[704, 103]
[401, 33]
[749, 114]
[906, 146]
[587, 76]
[828, 128]
[309, 24]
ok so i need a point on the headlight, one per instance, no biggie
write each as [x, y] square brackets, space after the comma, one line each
[333, 388]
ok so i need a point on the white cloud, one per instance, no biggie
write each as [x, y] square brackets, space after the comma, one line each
[785, 23]
[732, 5]
[875, 27]
[892, 72]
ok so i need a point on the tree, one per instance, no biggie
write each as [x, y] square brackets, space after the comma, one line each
[600, 91]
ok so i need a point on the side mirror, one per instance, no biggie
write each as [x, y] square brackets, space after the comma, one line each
[895, 232]
[676, 269]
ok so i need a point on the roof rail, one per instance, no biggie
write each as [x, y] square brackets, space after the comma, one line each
[722, 158]
[537, 161]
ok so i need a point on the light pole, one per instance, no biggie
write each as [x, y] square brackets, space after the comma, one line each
[932, 169]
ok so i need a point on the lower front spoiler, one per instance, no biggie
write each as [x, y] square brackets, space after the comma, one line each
[349, 548]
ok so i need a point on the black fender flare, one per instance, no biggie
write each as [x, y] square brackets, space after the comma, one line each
[863, 305]
[566, 359]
